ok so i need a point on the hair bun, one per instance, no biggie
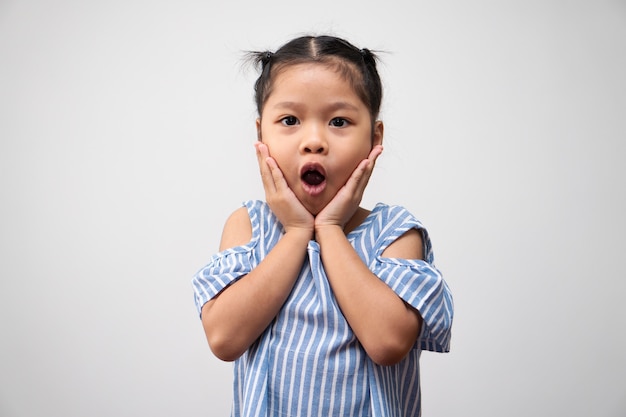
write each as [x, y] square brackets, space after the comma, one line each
[266, 58]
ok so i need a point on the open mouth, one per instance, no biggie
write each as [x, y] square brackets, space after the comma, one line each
[313, 175]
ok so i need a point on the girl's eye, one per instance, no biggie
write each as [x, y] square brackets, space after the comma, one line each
[289, 121]
[339, 122]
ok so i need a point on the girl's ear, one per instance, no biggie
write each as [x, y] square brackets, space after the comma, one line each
[258, 129]
[377, 134]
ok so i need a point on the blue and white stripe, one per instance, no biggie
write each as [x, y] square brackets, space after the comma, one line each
[308, 361]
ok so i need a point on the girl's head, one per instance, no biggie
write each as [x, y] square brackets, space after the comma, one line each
[318, 100]
[357, 67]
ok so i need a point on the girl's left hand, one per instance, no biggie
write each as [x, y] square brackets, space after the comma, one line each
[345, 203]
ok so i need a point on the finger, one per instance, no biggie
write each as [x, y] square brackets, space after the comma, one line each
[262, 153]
[375, 153]
[361, 175]
[369, 164]
[277, 175]
[273, 174]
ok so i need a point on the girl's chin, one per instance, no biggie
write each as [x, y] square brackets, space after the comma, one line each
[314, 209]
[314, 202]
[314, 205]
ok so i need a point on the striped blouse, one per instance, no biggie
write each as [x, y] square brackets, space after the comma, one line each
[308, 361]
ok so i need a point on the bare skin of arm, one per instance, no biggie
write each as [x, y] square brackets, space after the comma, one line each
[384, 324]
[235, 318]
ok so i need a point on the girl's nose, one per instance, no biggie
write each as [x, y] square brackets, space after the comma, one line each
[313, 141]
[316, 149]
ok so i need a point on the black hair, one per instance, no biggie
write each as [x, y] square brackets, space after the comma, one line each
[358, 66]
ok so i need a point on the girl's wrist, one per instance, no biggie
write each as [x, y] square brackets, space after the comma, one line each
[304, 233]
[327, 229]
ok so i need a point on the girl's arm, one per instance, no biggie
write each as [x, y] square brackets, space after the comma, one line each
[385, 325]
[237, 316]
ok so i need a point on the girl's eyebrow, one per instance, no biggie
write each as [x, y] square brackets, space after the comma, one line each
[343, 105]
[287, 105]
[338, 105]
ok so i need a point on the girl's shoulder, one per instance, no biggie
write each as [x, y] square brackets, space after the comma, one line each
[385, 224]
[263, 221]
[260, 214]
[390, 216]
[237, 229]
[249, 224]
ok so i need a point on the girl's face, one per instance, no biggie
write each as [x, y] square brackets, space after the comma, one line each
[317, 129]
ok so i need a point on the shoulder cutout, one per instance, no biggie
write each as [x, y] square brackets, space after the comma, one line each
[408, 246]
[237, 230]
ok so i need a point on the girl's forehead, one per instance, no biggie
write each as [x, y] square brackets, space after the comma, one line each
[313, 74]
[303, 69]
[332, 77]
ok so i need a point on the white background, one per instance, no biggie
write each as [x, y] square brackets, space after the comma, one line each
[126, 131]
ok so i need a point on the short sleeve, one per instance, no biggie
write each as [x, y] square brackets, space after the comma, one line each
[418, 282]
[228, 266]
[421, 285]
[223, 269]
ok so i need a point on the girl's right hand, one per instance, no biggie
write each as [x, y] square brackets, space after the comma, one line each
[281, 199]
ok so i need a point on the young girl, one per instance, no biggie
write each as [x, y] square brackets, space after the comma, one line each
[323, 305]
